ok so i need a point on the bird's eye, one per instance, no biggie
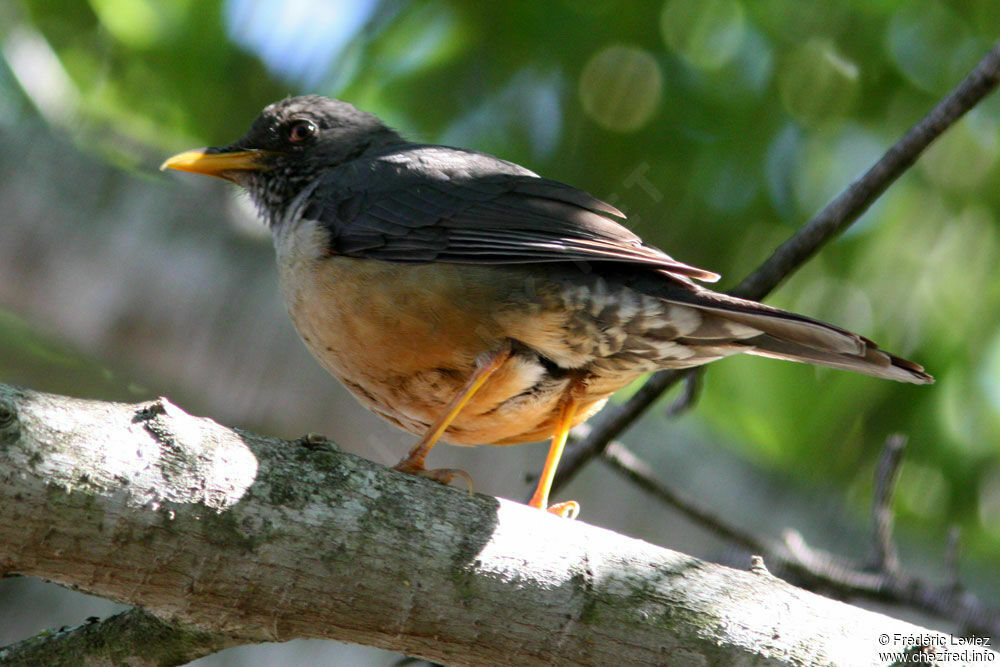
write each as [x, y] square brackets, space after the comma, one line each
[301, 130]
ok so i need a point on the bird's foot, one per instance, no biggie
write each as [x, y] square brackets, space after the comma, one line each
[439, 475]
[317, 441]
[569, 509]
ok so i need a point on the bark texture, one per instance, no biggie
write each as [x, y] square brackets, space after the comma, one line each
[229, 537]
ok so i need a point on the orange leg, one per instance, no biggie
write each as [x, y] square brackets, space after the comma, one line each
[570, 508]
[413, 463]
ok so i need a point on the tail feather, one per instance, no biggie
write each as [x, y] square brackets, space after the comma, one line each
[873, 361]
[770, 332]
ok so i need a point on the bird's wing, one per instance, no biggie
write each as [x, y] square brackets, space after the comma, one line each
[432, 203]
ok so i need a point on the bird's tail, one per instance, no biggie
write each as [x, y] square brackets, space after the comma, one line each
[769, 332]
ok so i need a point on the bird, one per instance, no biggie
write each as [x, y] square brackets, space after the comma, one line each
[466, 299]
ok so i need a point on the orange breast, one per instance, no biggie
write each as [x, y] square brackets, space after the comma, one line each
[404, 339]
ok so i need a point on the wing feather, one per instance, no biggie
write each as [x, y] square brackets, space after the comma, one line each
[432, 203]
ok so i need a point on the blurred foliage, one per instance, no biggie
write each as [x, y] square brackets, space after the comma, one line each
[718, 125]
[28, 356]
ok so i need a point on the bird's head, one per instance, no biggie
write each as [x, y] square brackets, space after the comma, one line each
[288, 147]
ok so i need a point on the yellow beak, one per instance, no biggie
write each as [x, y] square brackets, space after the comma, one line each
[214, 164]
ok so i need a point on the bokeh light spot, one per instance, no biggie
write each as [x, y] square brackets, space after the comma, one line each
[923, 40]
[137, 23]
[422, 37]
[528, 109]
[817, 83]
[922, 489]
[965, 155]
[620, 87]
[828, 162]
[723, 183]
[705, 33]
[296, 38]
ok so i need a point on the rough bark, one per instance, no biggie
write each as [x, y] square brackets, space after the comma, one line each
[228, 537]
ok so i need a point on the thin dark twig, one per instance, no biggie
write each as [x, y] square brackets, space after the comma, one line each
[690, 391]
[792, 558]
[620, 458]
[827, 224]
[862, 193]
[885, 558]
[952, 548]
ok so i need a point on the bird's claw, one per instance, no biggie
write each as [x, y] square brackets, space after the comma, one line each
[568, 509]
[439, 475]
[317, 441]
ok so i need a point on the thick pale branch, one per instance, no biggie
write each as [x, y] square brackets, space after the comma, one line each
[255, 539]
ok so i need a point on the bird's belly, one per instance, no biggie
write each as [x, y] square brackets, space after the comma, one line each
[404, 339]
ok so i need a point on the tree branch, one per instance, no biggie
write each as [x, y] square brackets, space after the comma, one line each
[885, 557]
[229, 537]
[849, 205]
[792, 558]
[835, 217]
[132, 637]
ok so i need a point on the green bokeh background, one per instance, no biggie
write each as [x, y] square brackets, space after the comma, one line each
[719, 126]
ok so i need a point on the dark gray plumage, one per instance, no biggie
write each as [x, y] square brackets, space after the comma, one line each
[382, 198]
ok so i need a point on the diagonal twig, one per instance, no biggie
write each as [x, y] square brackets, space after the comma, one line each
[886, 475]
[623, 461]
[792, 558]
[690, 391]
[820, 230]
[951, 550]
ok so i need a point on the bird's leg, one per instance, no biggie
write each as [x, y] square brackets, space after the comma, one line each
[413, 463]
[570, 508]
